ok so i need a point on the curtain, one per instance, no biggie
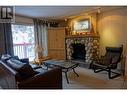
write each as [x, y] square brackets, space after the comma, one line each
[40, 28]
[6, 40]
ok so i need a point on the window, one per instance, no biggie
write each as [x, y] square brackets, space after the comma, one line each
[23, 41]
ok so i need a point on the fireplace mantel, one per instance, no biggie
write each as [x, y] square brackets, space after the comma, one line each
[82, 36]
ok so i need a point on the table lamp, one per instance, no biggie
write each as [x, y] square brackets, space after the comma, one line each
[39, 51]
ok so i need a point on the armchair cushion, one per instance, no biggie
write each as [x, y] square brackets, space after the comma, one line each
[106, 60]
[115, 59]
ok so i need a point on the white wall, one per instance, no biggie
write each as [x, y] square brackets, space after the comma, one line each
[112, 27]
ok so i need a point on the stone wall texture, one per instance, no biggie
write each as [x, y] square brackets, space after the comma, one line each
[91, 47]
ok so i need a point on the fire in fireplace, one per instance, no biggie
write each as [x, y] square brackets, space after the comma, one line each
[78, 51]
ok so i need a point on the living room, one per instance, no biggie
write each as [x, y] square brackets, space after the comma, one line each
[46, 35]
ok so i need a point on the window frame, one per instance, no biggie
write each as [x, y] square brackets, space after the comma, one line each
[33, 33]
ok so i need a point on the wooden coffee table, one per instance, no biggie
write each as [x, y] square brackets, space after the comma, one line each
[65, 65]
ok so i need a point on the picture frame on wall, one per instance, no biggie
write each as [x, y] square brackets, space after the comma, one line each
[82, 25]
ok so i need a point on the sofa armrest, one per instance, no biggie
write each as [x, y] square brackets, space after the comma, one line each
[51, 79]
[7, 76]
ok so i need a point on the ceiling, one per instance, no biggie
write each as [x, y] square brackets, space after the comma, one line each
[52, 12]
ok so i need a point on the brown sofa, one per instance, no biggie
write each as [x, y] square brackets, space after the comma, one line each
[11, 78]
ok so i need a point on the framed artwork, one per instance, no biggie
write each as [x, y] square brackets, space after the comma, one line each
[82, 25]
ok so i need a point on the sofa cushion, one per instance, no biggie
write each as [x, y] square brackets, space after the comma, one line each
[24, 70]
[15, 64]
[16, 57]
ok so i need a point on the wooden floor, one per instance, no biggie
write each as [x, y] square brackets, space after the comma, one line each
[89, 80]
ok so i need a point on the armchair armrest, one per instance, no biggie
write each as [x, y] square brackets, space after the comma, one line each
[51, 79]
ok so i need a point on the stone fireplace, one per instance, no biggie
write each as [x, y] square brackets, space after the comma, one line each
[89, 43]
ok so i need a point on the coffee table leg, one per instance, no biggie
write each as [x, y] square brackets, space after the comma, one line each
[66, 77]
[46, 66]
[75, 72]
